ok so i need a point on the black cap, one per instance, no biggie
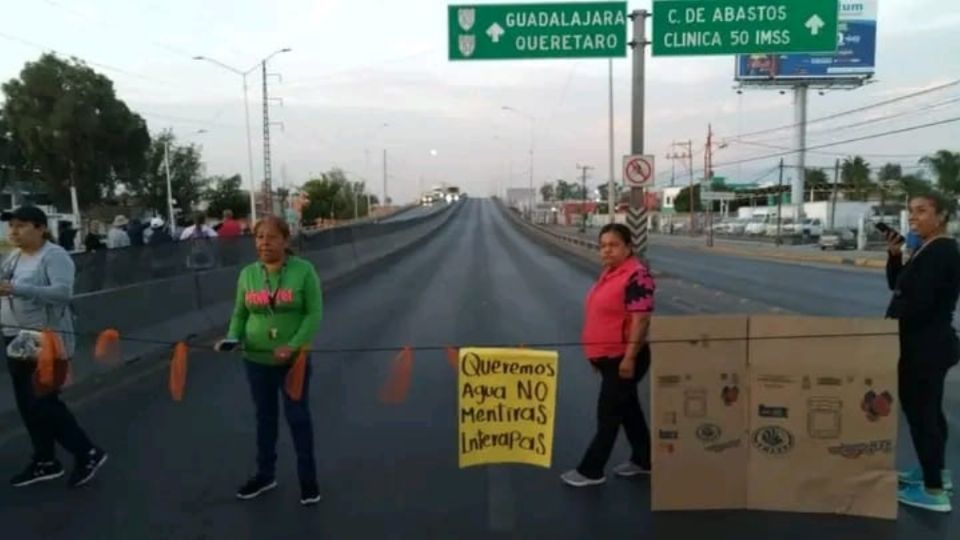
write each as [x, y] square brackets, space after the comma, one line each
[28, 214]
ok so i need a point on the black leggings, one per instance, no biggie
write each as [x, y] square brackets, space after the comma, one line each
[618, 404]
[921, 397]
[46, 417]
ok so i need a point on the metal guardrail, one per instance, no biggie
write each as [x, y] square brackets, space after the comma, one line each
[565, 238]
[108, 269]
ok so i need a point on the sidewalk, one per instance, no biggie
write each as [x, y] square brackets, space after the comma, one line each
[757, 250]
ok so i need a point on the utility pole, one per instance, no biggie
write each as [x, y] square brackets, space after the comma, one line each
[780, 204]
[637, 217]
[267, 168]
[584, 169]
[386, 197]
[611, 183]
[833, 195]
[708, 182]
[673, 156]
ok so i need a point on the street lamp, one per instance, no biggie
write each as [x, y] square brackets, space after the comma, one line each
[246, 109]
[533, 131]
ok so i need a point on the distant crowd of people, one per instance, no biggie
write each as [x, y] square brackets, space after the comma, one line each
[125, 232]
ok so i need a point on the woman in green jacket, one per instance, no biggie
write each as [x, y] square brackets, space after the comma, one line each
[277, 313]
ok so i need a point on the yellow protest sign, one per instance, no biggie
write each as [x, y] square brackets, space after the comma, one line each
[507, 401]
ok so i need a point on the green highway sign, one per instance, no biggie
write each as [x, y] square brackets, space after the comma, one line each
[696, 27]
[529, 31]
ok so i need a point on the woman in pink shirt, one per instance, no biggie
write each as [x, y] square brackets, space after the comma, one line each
[618, 311]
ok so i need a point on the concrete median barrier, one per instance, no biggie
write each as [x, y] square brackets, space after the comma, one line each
[153, 314]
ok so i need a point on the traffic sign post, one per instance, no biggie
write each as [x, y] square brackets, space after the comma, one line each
[530, 31]
[638, 171]
[637, 219]
[686, 27]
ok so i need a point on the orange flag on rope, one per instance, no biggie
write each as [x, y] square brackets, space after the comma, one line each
[107, 349]
[178, 371]
[397, 386]
[297, 376]
[453, 357]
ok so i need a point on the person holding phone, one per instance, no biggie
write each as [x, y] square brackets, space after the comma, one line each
[925, 291]
[617, 318]
[277, 313]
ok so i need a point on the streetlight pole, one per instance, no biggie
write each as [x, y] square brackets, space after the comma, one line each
[533, 132]
[166, 166]
[246, 110]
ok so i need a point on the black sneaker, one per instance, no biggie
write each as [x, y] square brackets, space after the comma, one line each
[87, 467]
[255, 486]
[38, 471]
[309, 493]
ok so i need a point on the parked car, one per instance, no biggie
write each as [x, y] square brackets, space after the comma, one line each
[755, 227]
[812, 227]
[838, 239]
[787, 227]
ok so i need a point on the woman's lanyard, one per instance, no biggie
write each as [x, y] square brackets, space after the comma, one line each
[272, 297]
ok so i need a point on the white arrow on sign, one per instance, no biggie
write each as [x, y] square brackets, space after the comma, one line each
[495, 32]
[814, 24]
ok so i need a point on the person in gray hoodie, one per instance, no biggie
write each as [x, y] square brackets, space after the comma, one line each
[36, 285]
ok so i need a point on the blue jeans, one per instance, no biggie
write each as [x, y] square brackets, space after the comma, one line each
[266, 381]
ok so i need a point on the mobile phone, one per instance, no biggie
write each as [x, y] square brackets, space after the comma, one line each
[885, 229]
[228, 345]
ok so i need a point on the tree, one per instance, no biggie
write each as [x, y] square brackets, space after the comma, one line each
[225, 194]
[816, 182]
[332, 196]
[945, 166]
[547, 193]
[888, 182]
[13, 165]
[682, 203]
[855, 172]
[913, 184]
[186, 177]
[70, 125]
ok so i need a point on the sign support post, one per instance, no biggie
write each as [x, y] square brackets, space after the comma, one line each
[637, 214]
[799, 179]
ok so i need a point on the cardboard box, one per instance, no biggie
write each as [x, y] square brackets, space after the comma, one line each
[699, 412]
[815, 414]
[823, 415]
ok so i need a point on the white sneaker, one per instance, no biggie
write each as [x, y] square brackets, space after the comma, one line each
[575, 479]
[628, 469]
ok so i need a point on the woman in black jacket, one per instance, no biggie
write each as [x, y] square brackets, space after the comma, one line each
[925, 291]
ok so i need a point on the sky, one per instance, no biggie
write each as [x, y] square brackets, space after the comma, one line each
[364, 78]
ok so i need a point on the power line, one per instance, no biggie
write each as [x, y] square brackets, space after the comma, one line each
[912, 112]
[847, 141]
[833, 154]
[46, 48]
[856, 110]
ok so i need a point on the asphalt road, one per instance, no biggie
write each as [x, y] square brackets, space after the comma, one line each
[418, 211]
[811, 289]
[391, 471]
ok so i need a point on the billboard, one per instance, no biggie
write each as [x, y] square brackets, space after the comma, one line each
[854, 59]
